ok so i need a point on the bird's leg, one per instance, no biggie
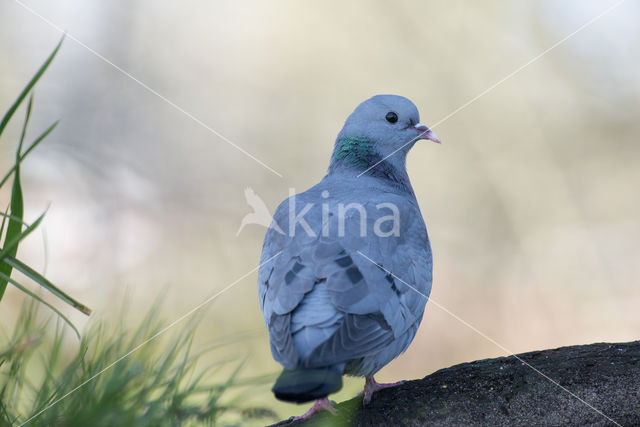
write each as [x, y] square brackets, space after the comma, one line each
[323, 404]
[371, 386]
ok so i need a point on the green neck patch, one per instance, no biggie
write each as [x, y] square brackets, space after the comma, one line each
[354, 152]
[358, 151]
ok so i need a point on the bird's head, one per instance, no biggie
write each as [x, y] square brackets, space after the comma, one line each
[382, 127]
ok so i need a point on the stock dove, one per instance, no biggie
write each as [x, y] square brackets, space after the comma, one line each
[346, 266]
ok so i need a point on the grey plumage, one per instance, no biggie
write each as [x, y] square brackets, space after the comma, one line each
[326, 305]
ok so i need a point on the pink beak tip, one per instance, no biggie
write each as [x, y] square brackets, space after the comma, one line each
[426, 133]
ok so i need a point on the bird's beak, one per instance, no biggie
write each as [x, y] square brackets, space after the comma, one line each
[426, 133]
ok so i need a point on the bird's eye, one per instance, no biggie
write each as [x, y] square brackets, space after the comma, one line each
[391, 117]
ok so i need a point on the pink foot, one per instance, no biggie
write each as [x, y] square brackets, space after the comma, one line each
[371, 386]
[323, 404]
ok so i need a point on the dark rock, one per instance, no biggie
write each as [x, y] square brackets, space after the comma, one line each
[597, 384]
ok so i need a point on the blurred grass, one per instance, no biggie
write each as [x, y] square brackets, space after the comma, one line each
[160, 383]
[13, 217]
[114, 375]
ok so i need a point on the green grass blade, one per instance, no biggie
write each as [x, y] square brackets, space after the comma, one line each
[33, 145]
[24, 127]
[45, 283]
[11, 245]
[36, 297]
[17, 205]
[5, 215]
[28, 87]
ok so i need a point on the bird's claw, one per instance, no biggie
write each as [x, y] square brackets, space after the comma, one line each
[371, 386]
[319, 405]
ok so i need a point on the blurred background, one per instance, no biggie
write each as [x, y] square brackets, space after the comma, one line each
[531, 202]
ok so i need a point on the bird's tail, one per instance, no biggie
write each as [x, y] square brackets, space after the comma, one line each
[306, 384]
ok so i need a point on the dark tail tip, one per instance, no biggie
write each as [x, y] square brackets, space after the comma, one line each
[305, 385]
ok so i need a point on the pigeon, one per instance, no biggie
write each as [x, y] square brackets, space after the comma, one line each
[344, 286]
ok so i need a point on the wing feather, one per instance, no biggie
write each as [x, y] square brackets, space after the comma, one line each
[324, 302]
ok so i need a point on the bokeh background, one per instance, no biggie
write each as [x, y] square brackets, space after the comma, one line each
[531, 202]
